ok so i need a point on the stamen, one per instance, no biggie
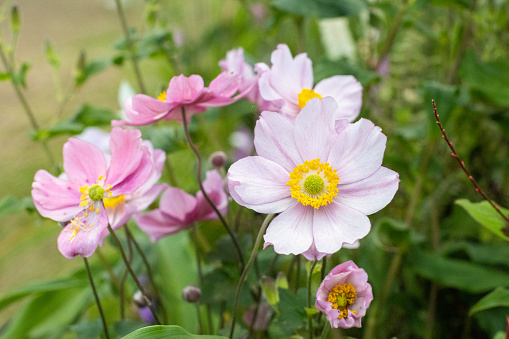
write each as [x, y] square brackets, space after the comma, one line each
[113, 202]
[342, 296]
[162, 96]
[307, 94]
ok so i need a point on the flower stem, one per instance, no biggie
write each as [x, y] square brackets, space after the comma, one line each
[129, 44]
[124, 277]
[266, 222]
[96, 296]
[205, 195]
[133, 275]
[326, 329]
[310, 317]
[194, 235]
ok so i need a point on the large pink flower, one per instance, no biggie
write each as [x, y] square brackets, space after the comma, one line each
[178, 210]
[79, 199]
[323, 175]
[344, 295]
[291, 80]
[188, 92]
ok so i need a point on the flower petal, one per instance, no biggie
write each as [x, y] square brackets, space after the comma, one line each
[358, 151]
[177, 204]
[214, 187]
[336, 224]
[260, 184]
[182, 89]
[158, 224]
[371, 194]
[347, 92]
[142, 109]
[83, 162]
[291, 232]
[274, 140]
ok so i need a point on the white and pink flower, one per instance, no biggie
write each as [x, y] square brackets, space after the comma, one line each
[324, 176]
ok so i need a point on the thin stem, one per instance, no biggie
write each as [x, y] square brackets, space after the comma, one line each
[169, 169]
[198, 315]
[310, 317]
[326, 329]
[124, 277]
[194, 235]
[130, 45]
[470, 177]
[205, 195]
[266, 222]
[398, 19]
[133, 275]
[96, 296]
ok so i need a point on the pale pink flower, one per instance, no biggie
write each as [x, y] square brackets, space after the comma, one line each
[178, 210]
[344, 295]
[188, 92]
[291, 80]
[321, 174]
[78, 199]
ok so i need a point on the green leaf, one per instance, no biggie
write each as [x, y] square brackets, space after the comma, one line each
[392, 233]
[84, 69]
[87, 330]
[20, 77]
[161, 332]
[4, 76]
[456, 273]
[10, 205]
[321, 8]
[486, 215]
[498, 298]
[52, 55]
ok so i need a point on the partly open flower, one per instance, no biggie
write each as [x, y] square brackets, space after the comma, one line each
[291, 80]
[344, 295]
[321, 174]
[188, 92]
[178, 210]
[79, 199]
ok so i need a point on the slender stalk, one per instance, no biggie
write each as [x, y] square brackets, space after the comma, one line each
[96, 296]
[130, 45]
[107, 266]
[133, 275]
[396, 24]
[326, 329]
[310, 317]
[194, 235]
[124, 277]
[266, 222]
[205, 195]
[169, 169]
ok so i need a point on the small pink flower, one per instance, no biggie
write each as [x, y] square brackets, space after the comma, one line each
[344, 295]
[178, 210]
[324, 176]
[291, 80]
[79, 199]
[188, 92]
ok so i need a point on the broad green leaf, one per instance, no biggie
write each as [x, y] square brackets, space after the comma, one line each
[486, 215]
[490, 254]
[11, 205]
[321, 8]
[162, 332]
[292, 310]
[126, 326]
[456, 273]
[498, 298]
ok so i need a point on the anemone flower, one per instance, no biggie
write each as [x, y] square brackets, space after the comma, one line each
[324, 176]
[178, 210]
[344, 295]
[291, 80]
[79, 199]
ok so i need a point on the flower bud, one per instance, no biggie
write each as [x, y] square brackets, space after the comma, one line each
[191, 294]
[139, 299]
[270, 290]
[218, 159]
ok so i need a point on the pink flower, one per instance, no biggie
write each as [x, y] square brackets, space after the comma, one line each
[79, 199]
[321, 174]
[188, 92]
[344, 295]
[178, 210]
[291, 80]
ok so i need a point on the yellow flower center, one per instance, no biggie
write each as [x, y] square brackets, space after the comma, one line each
[342, 296]
[162, 96]
[314, 183]
[307, 94]
[113, 202]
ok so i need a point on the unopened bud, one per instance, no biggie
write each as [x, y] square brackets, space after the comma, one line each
[139, 299]
[15, 21]
[270, 289]
[218, 159]
[191, 294]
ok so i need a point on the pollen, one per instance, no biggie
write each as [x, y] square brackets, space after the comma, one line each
[162, 96]
[342, 296]
[313, 183]
[307, 94]
[113, 202]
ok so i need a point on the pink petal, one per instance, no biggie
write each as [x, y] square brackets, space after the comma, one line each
[225, 84]
[55, 198]
[274, 140]
[260, 184]
[313, 254]
[347, 92]
[182, 89]
[315, 129]
[291, 232]
[177, 204]
[158, 224]
[214, 188]
[336, 224]
[358, 151]
[144, 110]
[371, 194]
[83, 162]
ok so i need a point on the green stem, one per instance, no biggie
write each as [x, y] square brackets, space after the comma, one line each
[124, 277]
[194, 235]
[130, 45]
[236, 245]
[96, 296]
[326, 329]
[266, 222]
[310, 317]
[396, 24]
[133, 275]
